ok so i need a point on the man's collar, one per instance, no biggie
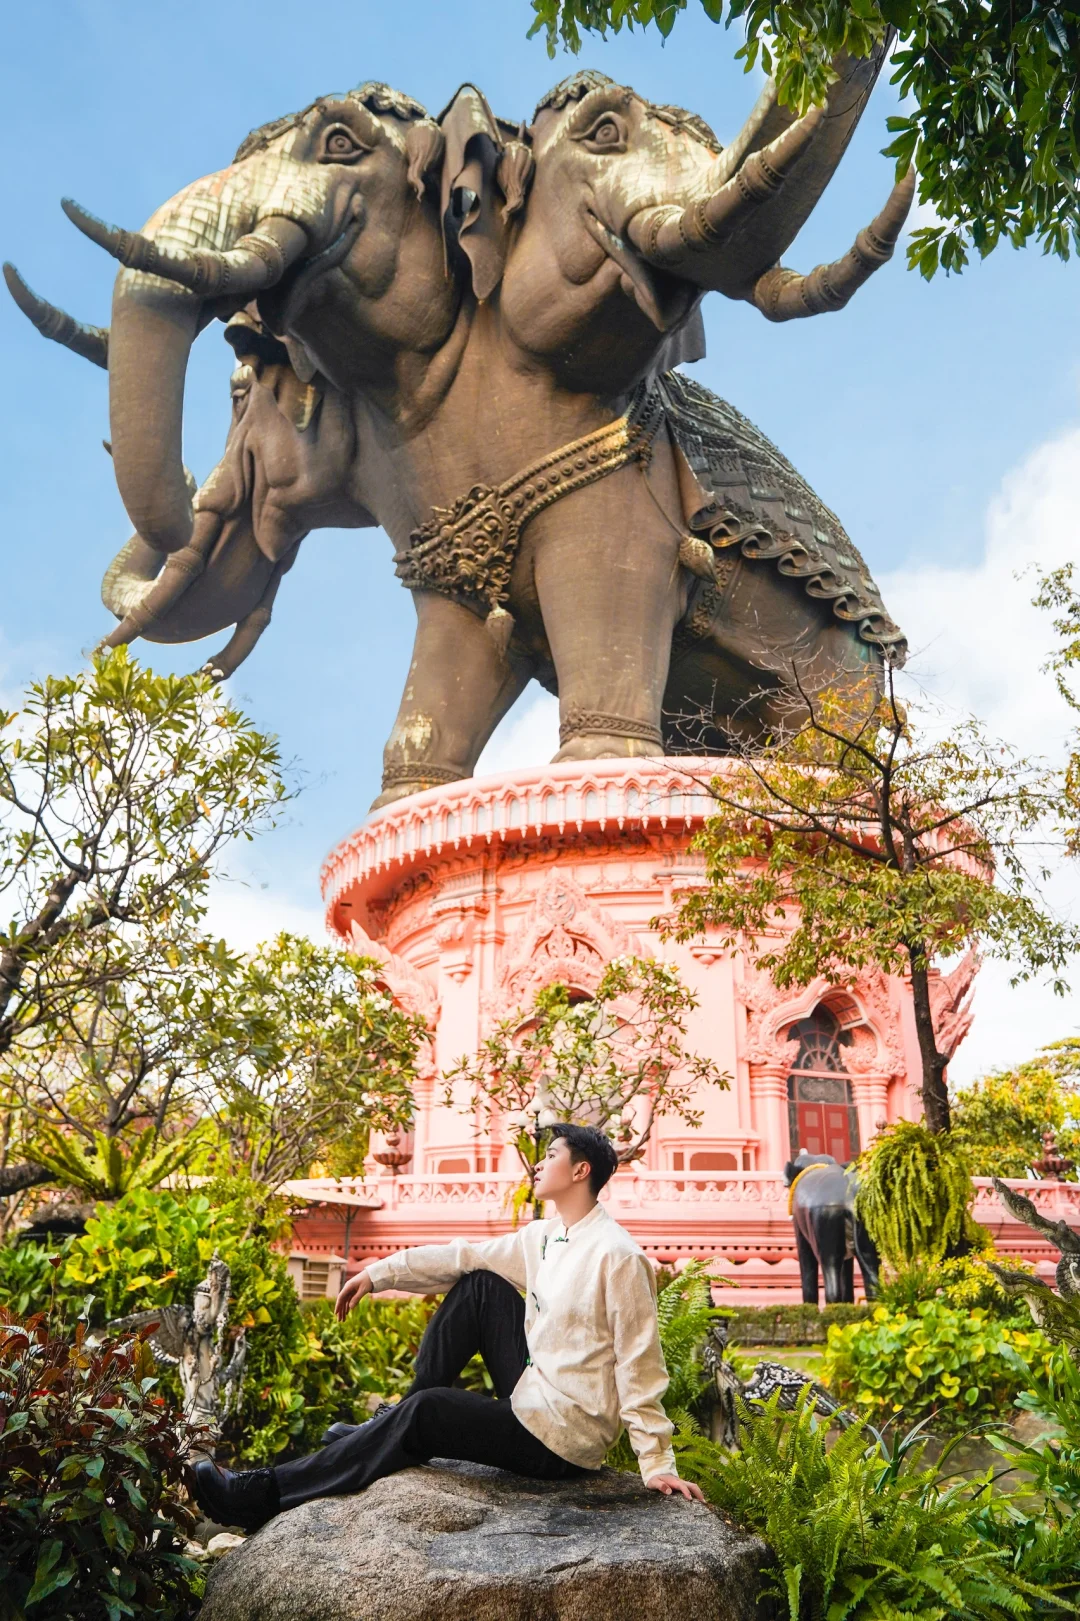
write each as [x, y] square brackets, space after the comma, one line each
[563, 1233]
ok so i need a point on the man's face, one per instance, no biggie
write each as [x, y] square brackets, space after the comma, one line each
[558, 1173]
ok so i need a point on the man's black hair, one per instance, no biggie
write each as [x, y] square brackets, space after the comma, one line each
[586, 1143]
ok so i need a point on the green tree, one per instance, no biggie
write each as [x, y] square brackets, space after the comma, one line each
[853, 839]
[317, 1051]
[990, 115]
[1000, 1119]
[618, 1060]
[120, 790]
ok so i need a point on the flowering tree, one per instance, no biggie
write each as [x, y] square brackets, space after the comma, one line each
[854, 838]
[120, 791]
[617, 1060]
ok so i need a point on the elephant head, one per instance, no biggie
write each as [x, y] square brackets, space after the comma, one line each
[321, 199]
[629, 199]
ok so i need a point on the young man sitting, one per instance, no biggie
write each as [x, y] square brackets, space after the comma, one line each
[572, 1363]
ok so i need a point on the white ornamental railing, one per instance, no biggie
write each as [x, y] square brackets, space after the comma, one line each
[761, 1193]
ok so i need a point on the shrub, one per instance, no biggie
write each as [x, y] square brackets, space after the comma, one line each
[857, 1532]
[963, 1366]
[914, 1191]
[802, 1324]
[28, 1276]
[963, 1281]
[89, 1477]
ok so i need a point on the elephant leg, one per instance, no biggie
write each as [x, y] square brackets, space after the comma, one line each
[867, 1257]
[830, 1229]
[847, 1282]
[808, 1270]
[605, 564]
[743, 651]
[458, 689]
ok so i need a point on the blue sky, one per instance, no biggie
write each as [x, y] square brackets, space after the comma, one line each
[910, 412]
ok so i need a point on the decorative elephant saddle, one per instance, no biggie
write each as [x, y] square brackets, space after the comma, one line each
[762, 505]
[740, 492]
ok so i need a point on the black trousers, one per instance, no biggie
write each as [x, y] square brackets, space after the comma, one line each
[484, 1313]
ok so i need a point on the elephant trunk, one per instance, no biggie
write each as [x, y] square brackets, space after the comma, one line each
[694, 241]
[730, 238]
[154, 323]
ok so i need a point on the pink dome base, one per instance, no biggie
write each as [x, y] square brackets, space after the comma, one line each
[475, 895]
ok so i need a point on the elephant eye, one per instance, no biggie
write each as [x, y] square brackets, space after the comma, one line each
[608, 134]
[340, 145]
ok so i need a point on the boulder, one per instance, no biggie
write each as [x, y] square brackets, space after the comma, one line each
[459, 1542]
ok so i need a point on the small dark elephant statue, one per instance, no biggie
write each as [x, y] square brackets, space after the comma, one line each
[828, 1233]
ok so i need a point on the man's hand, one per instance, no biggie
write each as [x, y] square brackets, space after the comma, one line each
[357, 1287]
[671, 1483]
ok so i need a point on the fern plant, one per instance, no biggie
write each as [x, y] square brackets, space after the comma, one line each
[854, 1532]
[914, 1190]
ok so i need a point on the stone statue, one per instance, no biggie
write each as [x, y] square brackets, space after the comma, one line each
[194, 1340]
[828, 1233]
[465, 330]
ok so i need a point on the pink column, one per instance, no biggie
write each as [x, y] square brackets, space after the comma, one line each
[768, 1096]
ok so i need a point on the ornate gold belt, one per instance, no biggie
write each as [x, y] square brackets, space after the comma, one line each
[467, 550]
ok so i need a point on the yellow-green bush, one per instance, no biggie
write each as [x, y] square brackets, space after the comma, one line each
[962, 1365]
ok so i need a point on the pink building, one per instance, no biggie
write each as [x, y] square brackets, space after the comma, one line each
[475, 895]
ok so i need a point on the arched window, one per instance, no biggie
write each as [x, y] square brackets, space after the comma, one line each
[821, 1110]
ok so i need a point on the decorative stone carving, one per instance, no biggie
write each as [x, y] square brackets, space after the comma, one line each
[564, 937]
[951, 997]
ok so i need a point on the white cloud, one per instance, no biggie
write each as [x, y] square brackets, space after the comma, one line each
[979, 646]
[245, 913]
[528, 736]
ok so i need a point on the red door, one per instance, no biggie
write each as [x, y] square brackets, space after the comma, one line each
[823, 1129]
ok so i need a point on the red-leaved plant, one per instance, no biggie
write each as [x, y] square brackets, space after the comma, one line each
[90, 1477]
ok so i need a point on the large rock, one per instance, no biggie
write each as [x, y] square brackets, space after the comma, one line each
[457, 1542]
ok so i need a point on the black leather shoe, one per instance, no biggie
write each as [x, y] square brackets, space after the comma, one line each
[247, 1498]
[338, 1431]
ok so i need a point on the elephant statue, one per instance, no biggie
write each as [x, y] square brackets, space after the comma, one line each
[467, 331]
[828, 1233]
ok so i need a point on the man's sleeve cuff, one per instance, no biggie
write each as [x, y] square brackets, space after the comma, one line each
[657, 1463]
[382, 1274]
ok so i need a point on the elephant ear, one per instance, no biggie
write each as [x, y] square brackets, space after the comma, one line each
[472, 200]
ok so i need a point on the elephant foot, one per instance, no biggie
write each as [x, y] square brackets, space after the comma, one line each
[399, 781]
[608, 746]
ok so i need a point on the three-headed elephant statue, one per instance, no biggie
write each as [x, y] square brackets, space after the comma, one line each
[828, 1233]
[467, 332]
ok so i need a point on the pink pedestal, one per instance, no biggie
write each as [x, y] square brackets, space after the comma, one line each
[475, 895]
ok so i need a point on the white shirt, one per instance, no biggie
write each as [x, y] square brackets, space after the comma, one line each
[595, 1361]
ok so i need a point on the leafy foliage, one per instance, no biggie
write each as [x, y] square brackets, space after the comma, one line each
[1000, 1119]
[914, 1190]
[120, 791]
[877, 845]
[855, 1531]
[791, 1324]
[317, 1049]
[304, 1369]
[992, 126]
[619, 1056]
[89, 1481]
[964, 1281]
[961, 1365]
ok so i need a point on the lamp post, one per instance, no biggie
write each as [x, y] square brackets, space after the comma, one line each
[535, 1117]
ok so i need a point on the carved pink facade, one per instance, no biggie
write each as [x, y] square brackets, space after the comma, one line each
[475, 895]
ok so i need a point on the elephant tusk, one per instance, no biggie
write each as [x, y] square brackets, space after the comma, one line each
[684, 240]
[256, 262]
[785, 295]
[91, 342]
